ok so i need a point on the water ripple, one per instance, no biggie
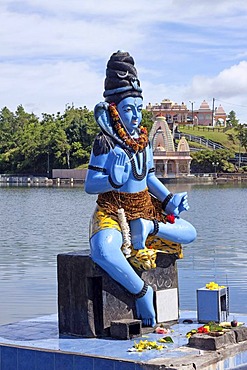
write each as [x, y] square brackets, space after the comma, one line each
[36, 224]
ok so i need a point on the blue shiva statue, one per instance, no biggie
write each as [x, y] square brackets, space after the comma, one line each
[132, 204]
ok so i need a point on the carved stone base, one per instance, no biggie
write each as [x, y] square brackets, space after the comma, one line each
[212, 341]
[89, 299]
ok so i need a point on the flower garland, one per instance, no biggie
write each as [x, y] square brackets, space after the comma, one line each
[125, 231]
[137, 144]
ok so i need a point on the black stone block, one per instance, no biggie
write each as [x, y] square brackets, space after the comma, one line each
[126, 329]
[89, 299]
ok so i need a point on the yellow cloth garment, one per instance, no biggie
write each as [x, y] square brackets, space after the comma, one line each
[144, 258]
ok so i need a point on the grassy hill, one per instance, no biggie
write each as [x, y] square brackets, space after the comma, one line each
[222, 136]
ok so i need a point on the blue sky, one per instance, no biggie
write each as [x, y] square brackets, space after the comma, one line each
[54, 53]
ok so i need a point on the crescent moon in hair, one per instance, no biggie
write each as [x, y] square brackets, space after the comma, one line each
[123, 76]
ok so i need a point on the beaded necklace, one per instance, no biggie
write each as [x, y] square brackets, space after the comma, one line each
[137, 144]
[138, 176]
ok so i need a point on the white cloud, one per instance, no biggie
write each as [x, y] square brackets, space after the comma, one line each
[229, 88]
[49, 87]
[55, 52]
[228, 83]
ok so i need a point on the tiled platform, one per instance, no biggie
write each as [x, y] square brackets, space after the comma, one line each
[35, 345]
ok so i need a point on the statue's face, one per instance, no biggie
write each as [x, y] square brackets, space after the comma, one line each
[130, 111]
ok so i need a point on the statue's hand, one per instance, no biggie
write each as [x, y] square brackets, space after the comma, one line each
[177, 204]
[120, 169]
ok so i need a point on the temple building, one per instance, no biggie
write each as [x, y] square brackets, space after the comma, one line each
[176, 114]
[203, 115]
[173, 112]
[220, 116]
[168, 161]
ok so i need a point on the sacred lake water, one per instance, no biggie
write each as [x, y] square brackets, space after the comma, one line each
[37, 223]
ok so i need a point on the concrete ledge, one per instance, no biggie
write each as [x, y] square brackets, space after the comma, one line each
[35, 343]
[201, 359]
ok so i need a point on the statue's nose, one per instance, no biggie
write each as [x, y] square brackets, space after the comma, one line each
[135, 114]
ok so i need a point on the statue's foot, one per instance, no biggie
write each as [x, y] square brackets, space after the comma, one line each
[140, 229]
[145, 308]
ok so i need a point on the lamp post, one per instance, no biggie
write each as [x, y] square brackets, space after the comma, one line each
[240, 138]
[48, 164]
[215, 164]
[68, 157]
[192, 111]
[212, 118]
[239, 158]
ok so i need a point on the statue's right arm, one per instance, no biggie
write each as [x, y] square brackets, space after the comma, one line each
[107, 169]
[97, 179]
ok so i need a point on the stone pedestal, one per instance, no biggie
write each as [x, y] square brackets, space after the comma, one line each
[89, 299]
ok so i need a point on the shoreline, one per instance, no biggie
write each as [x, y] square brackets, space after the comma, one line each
[25, 345]
[202, 178]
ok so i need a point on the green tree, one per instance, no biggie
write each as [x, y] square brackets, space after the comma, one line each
[147, 120]
[232, 119]
[231, 137]
[207, 161]
[54, 145]
[13, 133]
[81, 129]
[36, 146]
[241, 130]
[7, 124]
